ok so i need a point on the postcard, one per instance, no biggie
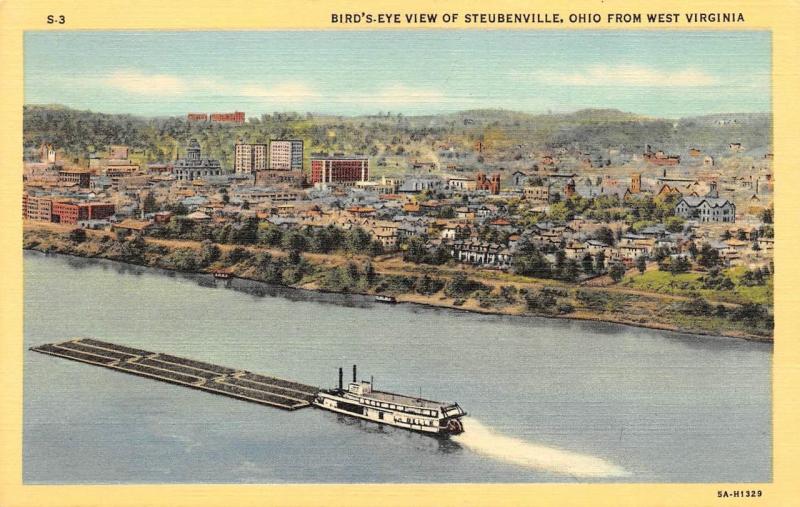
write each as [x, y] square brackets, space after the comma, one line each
[411, 255]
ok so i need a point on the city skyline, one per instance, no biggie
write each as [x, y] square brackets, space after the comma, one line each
[662, 74]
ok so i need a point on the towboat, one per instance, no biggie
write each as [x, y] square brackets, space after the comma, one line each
[222, 275]
[382, 298]
[417, 414]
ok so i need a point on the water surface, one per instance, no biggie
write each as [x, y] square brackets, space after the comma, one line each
[663, 407]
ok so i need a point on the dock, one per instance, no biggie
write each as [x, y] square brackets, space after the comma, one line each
[239, 384]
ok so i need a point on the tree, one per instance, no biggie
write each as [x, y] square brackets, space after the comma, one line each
[369, 273]
[416, 250]
[600, 262]
[149, 203]
[605, 235]
[766, 216]
[77, 235]
[587, 265]
[617, 271]
[709, 256]
[358, 240]
[209, 252]
[295, 241]
[674, 224]
[237, 255]
[679, 264]
[641, 264]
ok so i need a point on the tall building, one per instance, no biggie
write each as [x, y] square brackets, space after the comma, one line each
[339, 169]
[249, 158]
[286, 155]
[194, 166]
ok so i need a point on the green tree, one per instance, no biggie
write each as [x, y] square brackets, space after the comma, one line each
[641, 264]
[77, 235]
[209, 252]
[617, 271]
[600, 262]
[587, 264]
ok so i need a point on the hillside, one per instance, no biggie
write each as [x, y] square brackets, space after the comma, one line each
[510, 138]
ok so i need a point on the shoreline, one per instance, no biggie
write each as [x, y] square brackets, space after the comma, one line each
[440, 303]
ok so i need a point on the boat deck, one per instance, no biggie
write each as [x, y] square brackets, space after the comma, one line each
[405, 400]
[240, 384]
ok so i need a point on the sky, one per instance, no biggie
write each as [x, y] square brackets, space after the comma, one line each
[668, 74]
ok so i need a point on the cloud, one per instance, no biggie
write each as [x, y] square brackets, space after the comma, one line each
[140, 83]
[285, 92]
[145, 84]
[628, 75]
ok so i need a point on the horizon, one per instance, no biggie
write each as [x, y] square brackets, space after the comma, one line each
[317, 114]
[416, 73]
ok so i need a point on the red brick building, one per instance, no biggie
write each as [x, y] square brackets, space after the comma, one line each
[492, 184]
[68, 212]
[235, 117]
[197, 117]
[339, 169]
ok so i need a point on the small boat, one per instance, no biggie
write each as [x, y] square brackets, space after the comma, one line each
[222, 275]
[382, 298]
[408, 412]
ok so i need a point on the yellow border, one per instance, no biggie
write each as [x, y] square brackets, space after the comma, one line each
[19, 15]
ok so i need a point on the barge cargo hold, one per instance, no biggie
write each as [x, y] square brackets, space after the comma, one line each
[240, 384]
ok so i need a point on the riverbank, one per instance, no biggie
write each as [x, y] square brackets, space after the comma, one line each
[445, 287]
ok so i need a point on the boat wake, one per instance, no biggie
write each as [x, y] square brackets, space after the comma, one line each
[483, 440]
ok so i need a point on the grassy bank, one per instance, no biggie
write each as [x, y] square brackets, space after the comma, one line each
[450, 286]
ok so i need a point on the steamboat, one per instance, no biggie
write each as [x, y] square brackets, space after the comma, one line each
[417, 414]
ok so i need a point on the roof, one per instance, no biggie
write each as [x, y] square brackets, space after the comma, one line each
[134, 225]
[714, 202]
[198, 215]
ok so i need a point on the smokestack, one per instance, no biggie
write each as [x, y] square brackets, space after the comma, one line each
[341, 376]
[354, 373]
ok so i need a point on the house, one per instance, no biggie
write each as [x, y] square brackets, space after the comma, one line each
[575, 251]
[632, 246]
[706, 209]
[481, 253]
[130, 225]
[198, 216]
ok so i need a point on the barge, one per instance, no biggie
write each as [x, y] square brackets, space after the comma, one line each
[417, 414]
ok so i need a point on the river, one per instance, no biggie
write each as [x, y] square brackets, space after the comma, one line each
[549, 400]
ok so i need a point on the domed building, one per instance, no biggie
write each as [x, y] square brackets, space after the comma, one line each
[194, 166]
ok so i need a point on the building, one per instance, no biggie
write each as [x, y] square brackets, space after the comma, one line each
[194, 166]
[47, 154]
[235, 117]
[706, 209]
[70, 212]
[79, 176]
[286, 155]
[636, 183]
[489, 183]
[197, 117]
[421, 184]
[270, 177]
[481, 253]
[539, 194]
[118, 152]
[249, 158]
[36, 207]
[339, 169]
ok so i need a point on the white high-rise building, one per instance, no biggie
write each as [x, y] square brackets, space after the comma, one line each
[249, 158]
[286, 155]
